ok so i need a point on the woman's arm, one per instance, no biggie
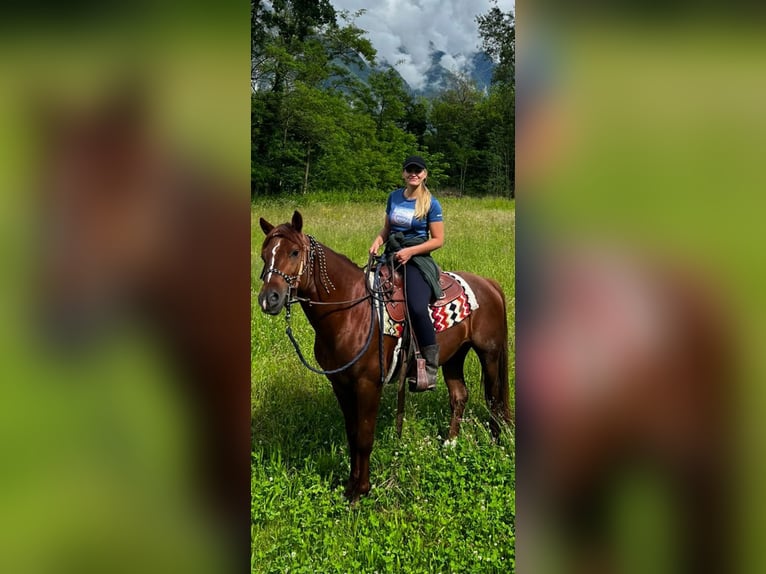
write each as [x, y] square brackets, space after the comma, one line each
[381, 238]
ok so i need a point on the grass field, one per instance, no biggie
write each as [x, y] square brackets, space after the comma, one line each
[431, 508]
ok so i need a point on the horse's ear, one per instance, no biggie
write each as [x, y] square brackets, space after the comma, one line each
[297, 221]
[266, 226]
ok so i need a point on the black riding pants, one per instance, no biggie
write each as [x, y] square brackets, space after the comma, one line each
[418, 297]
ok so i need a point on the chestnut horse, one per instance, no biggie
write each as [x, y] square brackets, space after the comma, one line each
[132, 232]
[296, 262]
[625, 371]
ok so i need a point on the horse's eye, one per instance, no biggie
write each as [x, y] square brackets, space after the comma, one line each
[294, 253]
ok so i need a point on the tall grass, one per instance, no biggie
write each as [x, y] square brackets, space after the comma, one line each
[432, 508]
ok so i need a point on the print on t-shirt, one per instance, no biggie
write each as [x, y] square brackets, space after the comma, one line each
[402, 216]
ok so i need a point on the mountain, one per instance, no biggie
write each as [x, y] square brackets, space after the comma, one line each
[479, 70]
[482, 69]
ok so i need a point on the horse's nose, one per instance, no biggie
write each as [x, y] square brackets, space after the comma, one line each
[270, 302]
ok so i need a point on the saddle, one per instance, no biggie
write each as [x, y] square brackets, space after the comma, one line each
[392, 285]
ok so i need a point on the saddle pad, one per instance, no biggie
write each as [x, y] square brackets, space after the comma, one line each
[455, 311]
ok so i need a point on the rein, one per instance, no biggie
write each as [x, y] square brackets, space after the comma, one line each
[315, 249]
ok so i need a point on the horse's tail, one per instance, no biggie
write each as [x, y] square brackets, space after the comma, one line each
[497, 392]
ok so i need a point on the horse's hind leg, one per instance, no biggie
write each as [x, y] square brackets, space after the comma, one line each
[458, 392]
[494, 370]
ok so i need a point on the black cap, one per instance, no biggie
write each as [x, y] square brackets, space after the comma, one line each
[414, 160]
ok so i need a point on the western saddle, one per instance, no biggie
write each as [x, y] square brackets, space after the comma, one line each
[392, 285]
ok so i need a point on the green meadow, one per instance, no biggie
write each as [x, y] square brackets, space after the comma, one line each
[432, 508]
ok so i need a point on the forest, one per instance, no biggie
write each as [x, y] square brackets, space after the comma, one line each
[328, 117]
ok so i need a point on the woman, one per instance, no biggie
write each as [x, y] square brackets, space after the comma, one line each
[412, 230]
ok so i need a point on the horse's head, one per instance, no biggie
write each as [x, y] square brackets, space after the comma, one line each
[285, 253]
[104, 220]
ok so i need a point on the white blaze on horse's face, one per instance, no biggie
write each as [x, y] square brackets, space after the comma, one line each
[272, 297]
[273, 258]
[267, 278]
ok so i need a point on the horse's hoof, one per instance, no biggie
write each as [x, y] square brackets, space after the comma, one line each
[352, 497]
[355, 491]
[351, 493]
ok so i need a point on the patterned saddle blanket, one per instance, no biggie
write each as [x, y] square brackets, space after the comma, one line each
[456, 303]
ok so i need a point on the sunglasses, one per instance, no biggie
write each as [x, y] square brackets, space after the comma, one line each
[413, 169]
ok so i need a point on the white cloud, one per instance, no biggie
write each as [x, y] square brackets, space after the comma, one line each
[416, 27]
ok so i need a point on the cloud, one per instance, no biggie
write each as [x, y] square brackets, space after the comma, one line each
[406, 32]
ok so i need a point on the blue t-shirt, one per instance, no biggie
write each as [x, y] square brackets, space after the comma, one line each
[401, 215]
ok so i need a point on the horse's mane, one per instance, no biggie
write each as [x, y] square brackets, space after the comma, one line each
[289, 232]
[343, 257]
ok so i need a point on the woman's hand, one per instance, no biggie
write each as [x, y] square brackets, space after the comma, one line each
[376, 245]
[404, 255]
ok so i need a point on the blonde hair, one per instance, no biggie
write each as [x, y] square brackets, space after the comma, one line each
[422, 202]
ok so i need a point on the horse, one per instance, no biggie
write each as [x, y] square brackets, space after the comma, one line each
[132, 233]
[334, 296]
[624, 369]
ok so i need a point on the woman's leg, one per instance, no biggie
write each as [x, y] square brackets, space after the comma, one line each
[418, 298]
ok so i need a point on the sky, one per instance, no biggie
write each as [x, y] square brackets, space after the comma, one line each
[418, 27]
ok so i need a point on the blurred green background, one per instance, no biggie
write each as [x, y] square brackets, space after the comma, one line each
[657, 140]
[95, 463]
[648, 131]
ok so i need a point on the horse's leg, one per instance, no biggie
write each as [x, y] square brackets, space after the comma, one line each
[491, 345]
[347, 402]
[367, 403]
[705, 523]
[494, 368]
[458, 392]
[700, 470]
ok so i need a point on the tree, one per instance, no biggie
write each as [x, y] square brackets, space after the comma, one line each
[297, 74]
[388, 98]
[498, 32]
[497, 150]
[326, 117]
[455, 127]
[277, 28]
[416, 118]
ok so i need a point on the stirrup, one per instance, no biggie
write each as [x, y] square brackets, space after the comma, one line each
[421, 383]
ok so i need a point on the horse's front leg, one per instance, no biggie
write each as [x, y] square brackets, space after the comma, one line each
[367, 403]
[360, 409]
[347, 402]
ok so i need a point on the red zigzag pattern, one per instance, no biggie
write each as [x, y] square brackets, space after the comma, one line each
[451, 314]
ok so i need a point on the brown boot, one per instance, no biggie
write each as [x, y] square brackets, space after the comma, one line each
[426, 378]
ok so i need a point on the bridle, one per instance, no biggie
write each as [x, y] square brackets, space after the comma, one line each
[291, 279]
[316, 253]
